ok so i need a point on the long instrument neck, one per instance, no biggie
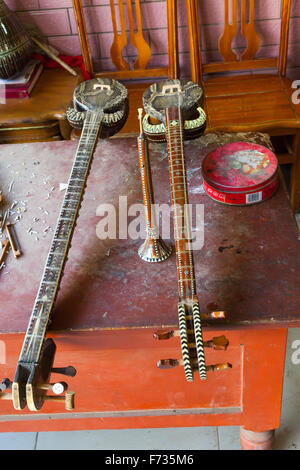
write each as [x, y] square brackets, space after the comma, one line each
[60, 245]
[178, 182]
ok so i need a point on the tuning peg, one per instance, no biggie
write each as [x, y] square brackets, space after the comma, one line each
[164, 334]
[5, 396]
[213, 315]
[167, 334]
[5, 384]
[218, 342]
[57, 388]
[210, 316]
[68, 398]
[70, 371]
[170, 363]
[167, 363]
[218, 367]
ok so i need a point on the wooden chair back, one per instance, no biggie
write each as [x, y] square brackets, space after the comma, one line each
[137, 39]
[232, 62]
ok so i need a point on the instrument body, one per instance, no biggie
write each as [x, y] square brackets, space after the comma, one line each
[172, 103]
[99, 100]
[85, 99]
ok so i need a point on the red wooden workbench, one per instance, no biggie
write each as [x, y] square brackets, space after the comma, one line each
[111, 302]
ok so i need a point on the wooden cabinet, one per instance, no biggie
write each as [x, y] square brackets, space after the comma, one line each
[42, 116]
[119, 386]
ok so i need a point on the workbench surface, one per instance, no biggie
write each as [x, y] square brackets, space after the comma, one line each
[249, 265]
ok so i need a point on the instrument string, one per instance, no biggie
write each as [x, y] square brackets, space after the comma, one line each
[57, 255]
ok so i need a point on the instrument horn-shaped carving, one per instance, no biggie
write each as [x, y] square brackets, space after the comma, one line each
[154, 249]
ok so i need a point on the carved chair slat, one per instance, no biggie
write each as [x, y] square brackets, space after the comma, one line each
[137, 39]
[229, 33]
[120, 39]
[248, 31]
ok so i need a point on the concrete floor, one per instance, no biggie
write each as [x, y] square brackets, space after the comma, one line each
[202, 438]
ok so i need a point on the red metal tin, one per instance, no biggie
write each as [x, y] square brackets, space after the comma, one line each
[240, 173]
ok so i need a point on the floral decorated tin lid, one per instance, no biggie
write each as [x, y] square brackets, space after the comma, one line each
[239, 167]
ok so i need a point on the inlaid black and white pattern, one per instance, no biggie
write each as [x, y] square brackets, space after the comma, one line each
[60, 245]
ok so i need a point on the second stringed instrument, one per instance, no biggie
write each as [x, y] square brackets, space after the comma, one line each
[174, 113]
[100, 107]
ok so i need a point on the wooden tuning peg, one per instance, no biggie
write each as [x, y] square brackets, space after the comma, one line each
[171, 363]
[213, 315]
[5, 396]
[210, 316]
[69, 371]
[216, 315]
[218, 342]
[164, 334]
[168, 363]
[68, 399]
[57, 388]
[5, 384]
[218, 367]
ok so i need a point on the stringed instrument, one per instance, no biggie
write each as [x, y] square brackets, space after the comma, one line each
[100, 107]
[174, 113]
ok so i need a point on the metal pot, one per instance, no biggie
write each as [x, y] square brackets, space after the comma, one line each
[15, 45]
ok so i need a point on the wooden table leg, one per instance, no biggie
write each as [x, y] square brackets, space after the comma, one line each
[251, 440]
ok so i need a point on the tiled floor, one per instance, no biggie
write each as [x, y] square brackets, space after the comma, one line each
[205, 438]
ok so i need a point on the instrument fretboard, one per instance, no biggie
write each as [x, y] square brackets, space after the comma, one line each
[60, 245]
[179, 192]
[188, 306]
